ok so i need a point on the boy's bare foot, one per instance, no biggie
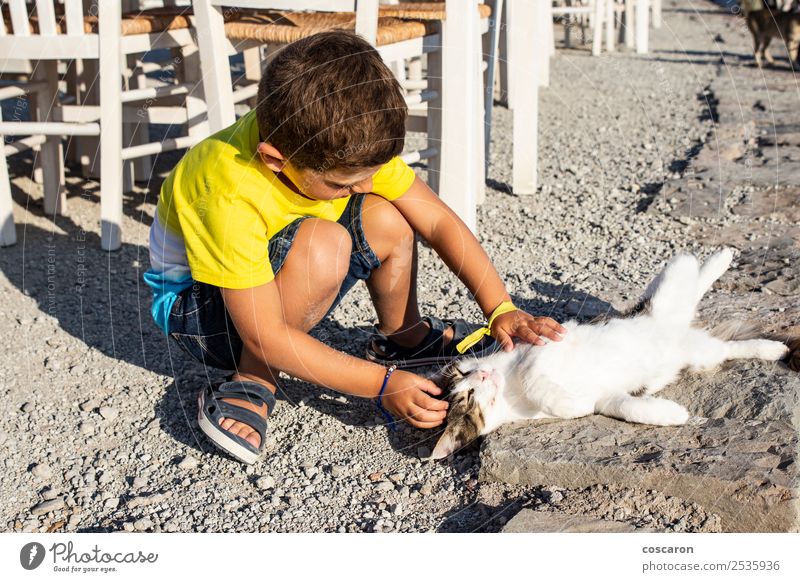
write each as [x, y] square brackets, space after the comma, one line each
[239, 428]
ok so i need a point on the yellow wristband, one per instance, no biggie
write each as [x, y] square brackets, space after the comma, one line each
[477, 335]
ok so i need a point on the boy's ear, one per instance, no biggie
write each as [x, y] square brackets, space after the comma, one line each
[271, 156]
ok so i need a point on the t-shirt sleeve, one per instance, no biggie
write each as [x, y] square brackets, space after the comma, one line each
[226, 242]
[393, 179]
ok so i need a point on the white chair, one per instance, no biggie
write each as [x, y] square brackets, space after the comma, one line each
[106, 39]
[454, 151]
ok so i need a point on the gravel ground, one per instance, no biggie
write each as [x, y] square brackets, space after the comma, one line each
[99, 409]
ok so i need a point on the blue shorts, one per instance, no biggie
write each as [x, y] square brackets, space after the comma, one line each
[202, 327]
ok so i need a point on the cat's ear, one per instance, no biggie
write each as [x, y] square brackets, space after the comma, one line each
[447, 445]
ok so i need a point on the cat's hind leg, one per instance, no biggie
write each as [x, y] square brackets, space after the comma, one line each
[643, 410]
[674, 297]
[713, 269]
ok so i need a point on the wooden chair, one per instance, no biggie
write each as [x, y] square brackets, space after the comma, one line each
[453, 145]
[105, 38]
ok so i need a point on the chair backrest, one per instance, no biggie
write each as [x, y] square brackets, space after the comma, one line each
[213, 48]
[45, 14]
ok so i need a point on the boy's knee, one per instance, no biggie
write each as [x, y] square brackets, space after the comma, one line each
[327, 247]
[385, 228]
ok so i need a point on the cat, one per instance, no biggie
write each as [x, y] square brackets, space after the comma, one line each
[610, 367]
[764, 24]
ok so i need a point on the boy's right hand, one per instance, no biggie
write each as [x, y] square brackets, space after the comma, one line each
[407, 397]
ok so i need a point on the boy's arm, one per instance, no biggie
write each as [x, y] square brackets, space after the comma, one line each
[460, 250]
[271, 343]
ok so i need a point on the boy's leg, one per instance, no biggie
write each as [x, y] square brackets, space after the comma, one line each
[393, 286]
[320, 247]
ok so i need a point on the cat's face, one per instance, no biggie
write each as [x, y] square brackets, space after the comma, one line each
[474, 388]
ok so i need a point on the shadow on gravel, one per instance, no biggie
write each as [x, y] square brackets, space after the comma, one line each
[473, 516]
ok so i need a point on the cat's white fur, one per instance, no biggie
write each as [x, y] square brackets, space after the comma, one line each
[596, 368]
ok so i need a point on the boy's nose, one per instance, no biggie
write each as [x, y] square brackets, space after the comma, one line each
[362, 187]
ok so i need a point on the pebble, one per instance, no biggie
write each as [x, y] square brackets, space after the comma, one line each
[48, 506]
[87, 428]
[188, 463]
[42, 471]
[28, 407]
[384, 486]
[139, 482]
[108, 413]
[49, 494]
[426, 489]
[128, 526]
[142, 524]
[336, 471]
[265, 482]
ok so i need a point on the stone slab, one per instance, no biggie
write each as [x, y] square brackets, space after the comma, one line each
[737, 458]
[530, 521]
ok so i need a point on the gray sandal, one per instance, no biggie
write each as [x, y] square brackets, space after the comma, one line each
[212, 409]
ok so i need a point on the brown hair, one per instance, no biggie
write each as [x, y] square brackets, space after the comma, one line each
[328, 101]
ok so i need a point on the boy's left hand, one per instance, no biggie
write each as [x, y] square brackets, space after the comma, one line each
[526, 327]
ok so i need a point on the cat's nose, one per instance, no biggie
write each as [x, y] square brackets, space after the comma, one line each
[482, 375]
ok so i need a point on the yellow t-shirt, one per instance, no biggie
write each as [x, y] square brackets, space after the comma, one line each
[226, 205]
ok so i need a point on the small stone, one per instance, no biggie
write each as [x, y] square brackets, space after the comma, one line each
[266, 482]
[28, 407]
[139, 482]
[48, 506]
[111, 503]
[396, 509]
[87, 428]
[108, 413]
[188, 463]
[49, 494]
[376, 476]
[42, 471]
[404, 491]
[142, 524]
[336, 471]
[128, 526]
[384, 486]
[426, 489]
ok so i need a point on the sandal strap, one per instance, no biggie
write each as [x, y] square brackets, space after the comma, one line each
[250, 391]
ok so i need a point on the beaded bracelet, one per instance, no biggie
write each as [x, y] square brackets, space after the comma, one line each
[379, 403]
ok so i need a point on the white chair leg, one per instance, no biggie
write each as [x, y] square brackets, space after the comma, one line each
[51, 152]
[111, 128]
[457, 170]
[642, 25]
[139, 134]
[657, 20]
[478, 115]
[434, 118]
[597, 27]
[610, 22]
[550, 29]
[89, 147]
[215, 67]
[522, 49]
[629, 24]
[8, 232]
[491, 41]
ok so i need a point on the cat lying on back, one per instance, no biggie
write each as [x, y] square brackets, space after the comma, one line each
[611, 367]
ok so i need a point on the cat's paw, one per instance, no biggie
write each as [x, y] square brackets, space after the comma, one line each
[719, 262]
[667, 413]
[770, 350]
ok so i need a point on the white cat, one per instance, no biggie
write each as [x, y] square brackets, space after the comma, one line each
[610, 367]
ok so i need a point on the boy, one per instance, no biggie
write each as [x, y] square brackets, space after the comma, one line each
[264, 226]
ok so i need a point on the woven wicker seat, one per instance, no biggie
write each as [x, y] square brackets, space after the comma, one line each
[146, 22]
[424, 10]
[287, 27]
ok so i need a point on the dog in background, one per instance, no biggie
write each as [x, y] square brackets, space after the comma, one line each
[766, 22]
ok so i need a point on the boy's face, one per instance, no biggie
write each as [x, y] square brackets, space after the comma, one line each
[327, 185]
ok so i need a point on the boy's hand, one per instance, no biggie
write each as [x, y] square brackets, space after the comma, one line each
[526, 327]
[407, 397]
